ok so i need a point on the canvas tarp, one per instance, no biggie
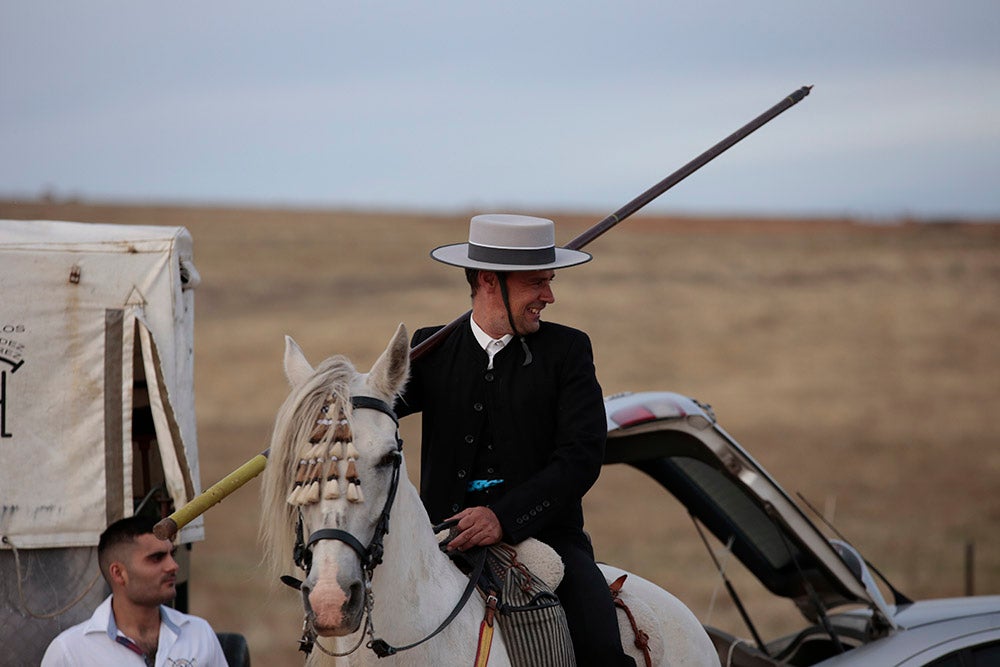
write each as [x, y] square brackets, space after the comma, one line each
[86, 310]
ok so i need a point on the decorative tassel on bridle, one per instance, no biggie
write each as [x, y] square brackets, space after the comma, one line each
[318, 474]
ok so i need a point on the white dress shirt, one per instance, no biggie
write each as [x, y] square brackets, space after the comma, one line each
[489, 344]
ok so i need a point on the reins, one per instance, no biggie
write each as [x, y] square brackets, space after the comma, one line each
[370, 557]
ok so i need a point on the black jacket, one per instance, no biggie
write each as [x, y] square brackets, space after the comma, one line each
[546, 421]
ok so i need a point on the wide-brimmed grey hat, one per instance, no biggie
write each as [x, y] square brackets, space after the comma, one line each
[505, 242]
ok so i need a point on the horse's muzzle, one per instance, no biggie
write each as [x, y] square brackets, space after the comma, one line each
[335, 611]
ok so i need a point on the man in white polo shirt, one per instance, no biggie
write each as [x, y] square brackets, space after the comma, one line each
[133, 626]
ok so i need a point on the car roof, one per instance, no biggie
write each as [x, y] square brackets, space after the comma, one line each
[677, 441]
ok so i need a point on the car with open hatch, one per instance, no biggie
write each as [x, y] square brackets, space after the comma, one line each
[848, 618]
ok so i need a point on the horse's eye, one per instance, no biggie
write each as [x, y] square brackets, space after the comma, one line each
[390, 459]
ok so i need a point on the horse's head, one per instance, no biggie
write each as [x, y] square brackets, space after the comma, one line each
[334, 465]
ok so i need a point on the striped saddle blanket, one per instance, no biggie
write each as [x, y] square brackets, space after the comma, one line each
[529, 614]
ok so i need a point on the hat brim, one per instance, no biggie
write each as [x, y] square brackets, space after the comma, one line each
[457, 254]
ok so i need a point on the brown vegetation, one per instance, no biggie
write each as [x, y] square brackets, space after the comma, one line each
[858, 363]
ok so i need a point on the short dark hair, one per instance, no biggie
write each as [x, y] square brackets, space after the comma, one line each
[121, 532]
[472, 276]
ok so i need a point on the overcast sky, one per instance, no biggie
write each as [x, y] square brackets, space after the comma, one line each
[448, 106]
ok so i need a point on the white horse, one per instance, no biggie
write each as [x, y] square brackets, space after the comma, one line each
[334, 478]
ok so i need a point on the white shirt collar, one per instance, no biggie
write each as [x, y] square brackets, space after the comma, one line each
[485, 340]
[169, 617]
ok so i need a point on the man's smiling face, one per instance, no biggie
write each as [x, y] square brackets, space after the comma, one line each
[529, 292]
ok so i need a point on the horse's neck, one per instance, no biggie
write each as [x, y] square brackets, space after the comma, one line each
[414, 570]
[415, 589]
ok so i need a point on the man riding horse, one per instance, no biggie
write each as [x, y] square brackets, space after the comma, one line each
[513, 418]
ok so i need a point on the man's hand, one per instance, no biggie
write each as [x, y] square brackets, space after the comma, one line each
[477, 526]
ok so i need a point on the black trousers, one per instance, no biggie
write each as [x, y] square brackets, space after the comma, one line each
[590, 611]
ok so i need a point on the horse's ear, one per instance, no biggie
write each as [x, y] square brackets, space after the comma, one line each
[297, 369]
[392, 368]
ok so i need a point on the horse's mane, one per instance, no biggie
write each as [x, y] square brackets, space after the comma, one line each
[295, 420]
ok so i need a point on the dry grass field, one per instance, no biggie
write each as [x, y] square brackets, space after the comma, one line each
[859, 363]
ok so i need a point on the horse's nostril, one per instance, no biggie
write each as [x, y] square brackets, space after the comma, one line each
[306, 590]
[357, 595]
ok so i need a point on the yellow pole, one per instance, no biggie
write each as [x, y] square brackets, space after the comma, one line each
[167, 528]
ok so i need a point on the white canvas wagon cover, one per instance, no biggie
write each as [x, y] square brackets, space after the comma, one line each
[92, 318]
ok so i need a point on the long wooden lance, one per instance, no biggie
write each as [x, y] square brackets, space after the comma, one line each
[639, 202]
[168, 527]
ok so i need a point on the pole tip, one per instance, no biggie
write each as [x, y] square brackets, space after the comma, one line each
[799, 94]
[165, 529]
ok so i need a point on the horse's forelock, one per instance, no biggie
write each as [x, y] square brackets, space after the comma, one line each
[293, 425]
[333, 378]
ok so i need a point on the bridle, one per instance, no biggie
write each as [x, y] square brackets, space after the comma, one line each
[370, 556]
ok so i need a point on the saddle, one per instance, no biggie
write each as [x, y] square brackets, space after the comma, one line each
[520, 601]
[517, 583]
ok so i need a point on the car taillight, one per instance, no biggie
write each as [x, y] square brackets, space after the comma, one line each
[632, 415]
